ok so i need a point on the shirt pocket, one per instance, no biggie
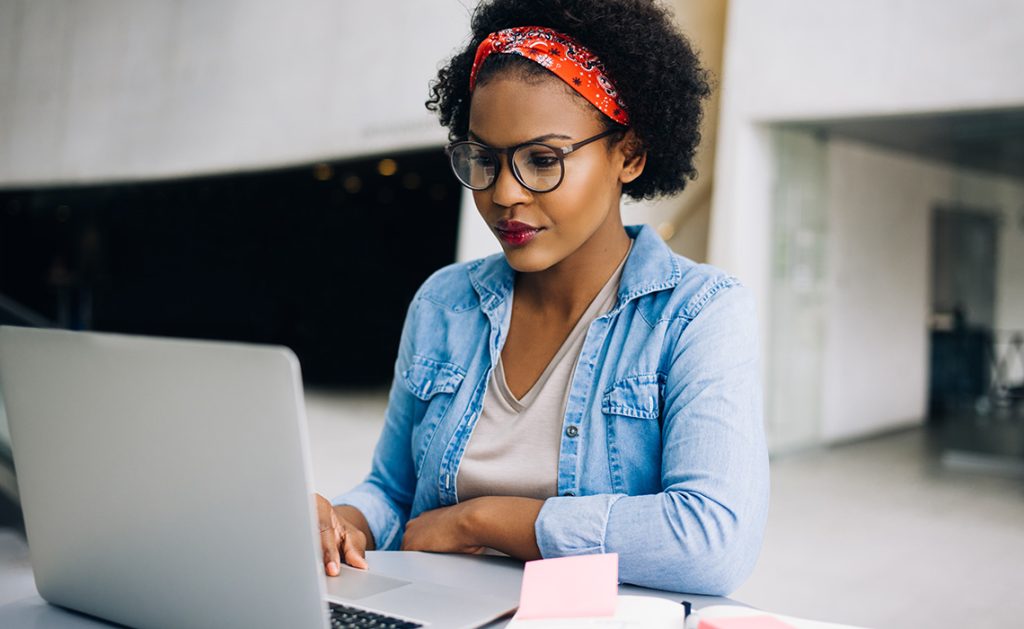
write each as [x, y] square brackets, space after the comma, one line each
[433, 382]
[632, 408]
[634, 396]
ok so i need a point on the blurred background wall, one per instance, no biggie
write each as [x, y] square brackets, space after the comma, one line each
[844, 125]
[111, 90]
[226, 170]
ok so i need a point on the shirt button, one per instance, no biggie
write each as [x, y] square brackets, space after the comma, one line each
[569, 493]
[572, 431]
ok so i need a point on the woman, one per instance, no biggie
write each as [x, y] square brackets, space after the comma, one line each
[587, 390]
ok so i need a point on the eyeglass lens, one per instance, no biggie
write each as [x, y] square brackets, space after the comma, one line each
[538, 166]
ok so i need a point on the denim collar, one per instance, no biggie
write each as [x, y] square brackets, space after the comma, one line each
[651, 266]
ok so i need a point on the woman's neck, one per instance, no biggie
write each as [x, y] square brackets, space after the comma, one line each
[564, 290]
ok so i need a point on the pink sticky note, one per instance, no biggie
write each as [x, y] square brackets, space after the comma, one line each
[570, 587]
[744, 622]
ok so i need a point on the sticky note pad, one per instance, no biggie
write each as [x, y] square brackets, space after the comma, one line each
[744, 622]
[570, 587]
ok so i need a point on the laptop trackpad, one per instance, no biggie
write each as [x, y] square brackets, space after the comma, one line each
[353, 584]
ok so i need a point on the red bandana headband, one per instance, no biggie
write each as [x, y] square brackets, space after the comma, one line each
[564, 56]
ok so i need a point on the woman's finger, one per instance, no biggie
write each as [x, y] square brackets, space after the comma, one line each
[329, 543]
[354, 556]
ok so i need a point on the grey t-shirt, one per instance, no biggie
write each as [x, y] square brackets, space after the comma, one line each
[513, 450]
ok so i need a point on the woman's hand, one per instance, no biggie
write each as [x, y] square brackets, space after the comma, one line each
[504, 523]
[444, 530]
[339, 539]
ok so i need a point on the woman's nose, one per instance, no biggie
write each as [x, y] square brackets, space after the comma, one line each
[507, 189]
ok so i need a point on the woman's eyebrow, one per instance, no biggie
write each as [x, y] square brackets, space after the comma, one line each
[539, 138]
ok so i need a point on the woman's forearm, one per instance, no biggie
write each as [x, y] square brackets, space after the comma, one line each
[506, 523]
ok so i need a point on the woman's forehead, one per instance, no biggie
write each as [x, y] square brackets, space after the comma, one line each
[508, 111]
[545, 137]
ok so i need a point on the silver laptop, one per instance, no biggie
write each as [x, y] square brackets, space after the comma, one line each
[166, 483]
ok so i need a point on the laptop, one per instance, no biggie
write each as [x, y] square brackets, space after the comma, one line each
[167, 483]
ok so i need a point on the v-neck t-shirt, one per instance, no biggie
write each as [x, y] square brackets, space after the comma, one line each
[513, 449]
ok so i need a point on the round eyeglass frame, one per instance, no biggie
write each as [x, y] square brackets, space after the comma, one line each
[559, 151]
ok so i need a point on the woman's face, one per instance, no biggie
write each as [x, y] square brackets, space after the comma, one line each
[507, 111]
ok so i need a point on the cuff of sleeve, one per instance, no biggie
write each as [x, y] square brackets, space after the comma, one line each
[384, 521]
[573, 525]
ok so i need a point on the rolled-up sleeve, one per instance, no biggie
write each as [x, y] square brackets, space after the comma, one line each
[702, 533]
[385, 496]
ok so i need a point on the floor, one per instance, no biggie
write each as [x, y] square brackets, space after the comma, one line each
[881, 534]
[878, 533]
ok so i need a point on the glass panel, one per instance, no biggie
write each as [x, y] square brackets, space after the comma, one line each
[796, 344]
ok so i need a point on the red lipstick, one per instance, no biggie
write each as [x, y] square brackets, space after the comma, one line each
[516, 233]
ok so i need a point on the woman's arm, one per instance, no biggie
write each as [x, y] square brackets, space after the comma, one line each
[702, 533]
[505, 523]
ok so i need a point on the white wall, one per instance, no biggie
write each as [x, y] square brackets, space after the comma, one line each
[876, 347]
[807, 59]
[96, 90]
[880, 206]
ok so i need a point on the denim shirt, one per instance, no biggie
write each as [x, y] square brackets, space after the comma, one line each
[662, 457]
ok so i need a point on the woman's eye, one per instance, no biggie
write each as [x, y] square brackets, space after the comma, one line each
[543, 161]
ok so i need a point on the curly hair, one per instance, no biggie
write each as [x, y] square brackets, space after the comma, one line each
[653, 66]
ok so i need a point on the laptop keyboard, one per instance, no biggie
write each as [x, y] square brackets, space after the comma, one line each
[345, 617]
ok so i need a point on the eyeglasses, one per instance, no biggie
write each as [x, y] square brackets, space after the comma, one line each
[537, 166]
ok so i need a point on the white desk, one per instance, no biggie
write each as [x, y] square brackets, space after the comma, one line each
[21, 606]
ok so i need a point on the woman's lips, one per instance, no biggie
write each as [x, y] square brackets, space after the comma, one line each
[516, 233]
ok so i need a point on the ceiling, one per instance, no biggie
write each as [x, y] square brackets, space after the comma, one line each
[990, 141]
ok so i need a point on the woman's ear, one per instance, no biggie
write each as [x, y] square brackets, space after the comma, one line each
[634, 157]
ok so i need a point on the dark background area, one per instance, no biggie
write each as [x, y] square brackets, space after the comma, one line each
[322, 258]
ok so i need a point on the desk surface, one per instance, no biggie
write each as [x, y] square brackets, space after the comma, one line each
[21, 606]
